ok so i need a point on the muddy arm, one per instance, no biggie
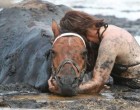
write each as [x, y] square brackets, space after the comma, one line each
[104, 64]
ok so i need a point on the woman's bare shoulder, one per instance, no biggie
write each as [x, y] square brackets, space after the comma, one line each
[114, 27]
[114, 32]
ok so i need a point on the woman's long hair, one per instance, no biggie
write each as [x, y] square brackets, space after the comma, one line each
[79, 22]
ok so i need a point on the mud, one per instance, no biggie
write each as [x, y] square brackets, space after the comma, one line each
[23, 96]
[21, 41]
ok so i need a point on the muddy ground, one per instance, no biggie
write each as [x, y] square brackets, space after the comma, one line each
[24, 96]
[116, 98]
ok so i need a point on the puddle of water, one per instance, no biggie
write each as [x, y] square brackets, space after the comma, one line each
[50, 97]
[43, 97]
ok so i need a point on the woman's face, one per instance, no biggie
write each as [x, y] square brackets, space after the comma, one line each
[92, 35]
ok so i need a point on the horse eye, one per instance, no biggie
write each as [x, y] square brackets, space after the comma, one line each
[53, 53]
[84, 54]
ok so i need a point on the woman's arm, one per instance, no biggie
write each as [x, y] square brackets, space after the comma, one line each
[105, 61]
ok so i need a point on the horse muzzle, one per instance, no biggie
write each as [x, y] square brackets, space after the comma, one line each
[68, 77]
[68, 85]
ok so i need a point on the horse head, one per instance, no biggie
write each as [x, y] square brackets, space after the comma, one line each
[69, 58]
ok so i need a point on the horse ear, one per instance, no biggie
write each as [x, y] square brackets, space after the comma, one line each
[55, 28]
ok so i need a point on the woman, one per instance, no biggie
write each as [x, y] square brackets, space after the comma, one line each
[116, 45]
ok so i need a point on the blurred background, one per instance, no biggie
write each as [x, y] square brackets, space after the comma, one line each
[120, 8]
[128, 9]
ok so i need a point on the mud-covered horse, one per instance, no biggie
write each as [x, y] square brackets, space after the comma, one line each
[70, 61]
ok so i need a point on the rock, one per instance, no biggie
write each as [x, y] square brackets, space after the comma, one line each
[22, 44]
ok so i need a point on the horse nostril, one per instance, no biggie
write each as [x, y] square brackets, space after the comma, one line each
[75, 82]
[59, 80]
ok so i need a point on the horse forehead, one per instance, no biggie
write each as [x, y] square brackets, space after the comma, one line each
[70, 41]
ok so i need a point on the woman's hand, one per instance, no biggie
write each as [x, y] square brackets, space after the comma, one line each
[90, 87]
[53, 86]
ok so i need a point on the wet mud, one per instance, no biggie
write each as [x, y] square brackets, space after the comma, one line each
[26, 45]
[24, 96]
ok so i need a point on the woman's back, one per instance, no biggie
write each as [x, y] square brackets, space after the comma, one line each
[128, 50]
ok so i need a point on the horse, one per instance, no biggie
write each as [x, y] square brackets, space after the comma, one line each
[70, 60]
